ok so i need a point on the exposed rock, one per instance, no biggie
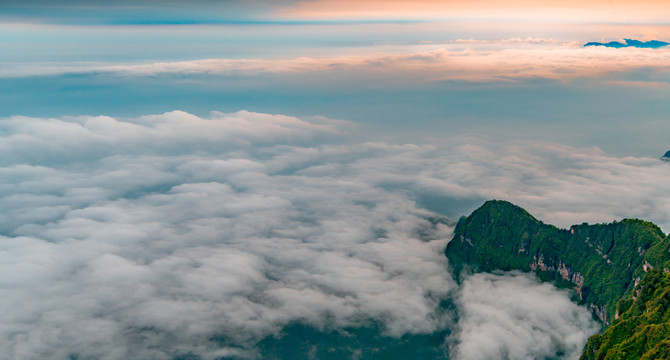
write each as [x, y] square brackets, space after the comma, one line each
[600, 312]
[565, 271]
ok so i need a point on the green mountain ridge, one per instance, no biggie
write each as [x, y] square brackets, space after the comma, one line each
[642, 331]
[612, 269]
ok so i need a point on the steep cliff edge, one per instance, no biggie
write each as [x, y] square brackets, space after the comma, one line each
[600, 262]
[642, 331]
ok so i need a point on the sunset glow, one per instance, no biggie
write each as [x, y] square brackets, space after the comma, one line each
[646, 11]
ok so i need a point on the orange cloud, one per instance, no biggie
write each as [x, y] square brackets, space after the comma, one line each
[625, 11]
[507, 61]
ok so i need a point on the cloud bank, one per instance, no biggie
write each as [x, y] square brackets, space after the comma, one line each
[503, 61]
[515, 317]
[150, 237]
[172, 235]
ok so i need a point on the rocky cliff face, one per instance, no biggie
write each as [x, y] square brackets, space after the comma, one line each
[564, 271]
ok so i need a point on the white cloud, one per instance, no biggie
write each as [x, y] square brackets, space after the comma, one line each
[514, 317]
[147, 237]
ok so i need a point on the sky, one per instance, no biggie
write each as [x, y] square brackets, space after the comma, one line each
[502, 68]
[176, 172]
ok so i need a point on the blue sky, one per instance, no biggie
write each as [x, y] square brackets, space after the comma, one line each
[560, 88]
[70, 65]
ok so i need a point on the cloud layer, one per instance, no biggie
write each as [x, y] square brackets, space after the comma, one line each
[506, 61]
[147, 238]
[173, 234]
[515, 317]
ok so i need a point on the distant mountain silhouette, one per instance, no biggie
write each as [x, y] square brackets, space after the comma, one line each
[653, 44]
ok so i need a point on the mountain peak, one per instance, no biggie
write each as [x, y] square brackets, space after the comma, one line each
[599, 261]
[652, 44]
[497, 205]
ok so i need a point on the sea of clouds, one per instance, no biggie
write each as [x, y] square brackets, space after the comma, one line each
[151, 237]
